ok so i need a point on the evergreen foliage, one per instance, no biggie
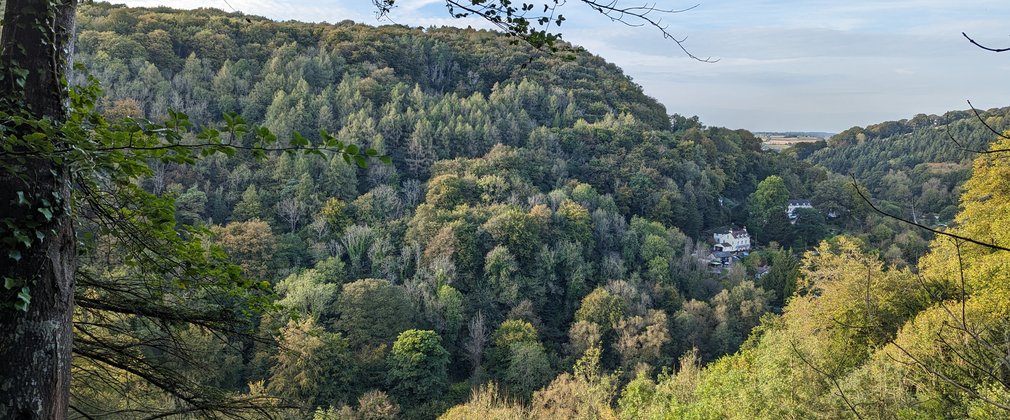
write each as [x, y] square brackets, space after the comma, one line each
[537, 244]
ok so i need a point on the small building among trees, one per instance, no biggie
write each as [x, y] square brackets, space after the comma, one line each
[721, 258]
[794, 205]
[731, 240]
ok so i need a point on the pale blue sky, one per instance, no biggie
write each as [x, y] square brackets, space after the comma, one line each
[818, 65]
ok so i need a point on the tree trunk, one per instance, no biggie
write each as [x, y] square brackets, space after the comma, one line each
[36, 340]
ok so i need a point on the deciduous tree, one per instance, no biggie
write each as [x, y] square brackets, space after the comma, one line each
[417, 367]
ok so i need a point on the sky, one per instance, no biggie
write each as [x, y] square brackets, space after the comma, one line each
[815, 65]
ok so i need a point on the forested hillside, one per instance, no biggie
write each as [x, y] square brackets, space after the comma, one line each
[858, 339]
[537, 205]
[921, 162]
[537, 246]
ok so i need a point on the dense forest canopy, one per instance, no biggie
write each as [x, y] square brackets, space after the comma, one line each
[422, 96]
[922, 160]
[537, 192]
[538, 245]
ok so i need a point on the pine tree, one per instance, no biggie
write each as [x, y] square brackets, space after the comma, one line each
[420, 155]
[249, 207]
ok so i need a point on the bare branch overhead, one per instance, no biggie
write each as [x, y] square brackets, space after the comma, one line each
[983, 46]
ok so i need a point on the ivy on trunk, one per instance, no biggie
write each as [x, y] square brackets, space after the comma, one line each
[39, 254]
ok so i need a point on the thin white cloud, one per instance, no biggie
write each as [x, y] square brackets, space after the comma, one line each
[413, 5]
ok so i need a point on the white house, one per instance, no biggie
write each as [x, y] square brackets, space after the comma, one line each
[732, 240]
[797, 204]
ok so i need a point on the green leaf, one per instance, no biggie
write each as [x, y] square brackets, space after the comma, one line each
[360, 160]
[21, 198]
[328, 139]
[24, 239]
[8, 283]
[386, 159]
[24, 298]
[46, 212]
[14, 255]
[298, 140]
[265, 135]
[353, 149]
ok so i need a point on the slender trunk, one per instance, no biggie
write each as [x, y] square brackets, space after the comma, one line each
[36, 340]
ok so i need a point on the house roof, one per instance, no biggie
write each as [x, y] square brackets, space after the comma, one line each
[799, 202]
[736, 233]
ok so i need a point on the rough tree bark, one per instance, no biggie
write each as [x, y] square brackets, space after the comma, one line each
[35, 345]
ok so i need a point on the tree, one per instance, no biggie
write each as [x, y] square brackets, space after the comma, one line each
[334, 214]
[250, 207]
[573, 222]
[307, 292]
[451, 313]
[417, 367]
[376, 405]
[420, 152]
[47, 146]
[810, 226]
[373, 312]
[291, 209]
[510, 332]
[499, 269]
[963, 326]
[190, 205]
[528, 368]
[518, 231]
[513, 331]
[833, 197]
[313, 366]
[737, 311]
[602, 308]
[251, 243]
[487, 402]
[770, 198]
[478, 337]
[137, 264]
[35, 342]
[582, 336]
[585, 393]
[641, 339]
[781, 277]
[448, 191]
[694, 323]
[356, 241]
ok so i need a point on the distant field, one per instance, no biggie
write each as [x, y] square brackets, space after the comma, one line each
[779, 142]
